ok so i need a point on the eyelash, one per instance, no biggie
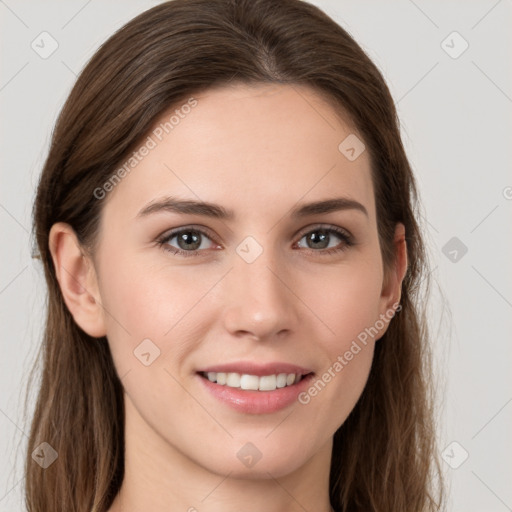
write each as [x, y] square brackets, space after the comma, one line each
[347, 240]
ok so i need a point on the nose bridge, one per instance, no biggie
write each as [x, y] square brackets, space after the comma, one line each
[258, 300]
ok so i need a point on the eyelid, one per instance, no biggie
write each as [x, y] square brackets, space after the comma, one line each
[189, 227]
[325, 226]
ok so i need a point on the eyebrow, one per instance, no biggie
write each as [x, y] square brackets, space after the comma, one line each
[174, 205]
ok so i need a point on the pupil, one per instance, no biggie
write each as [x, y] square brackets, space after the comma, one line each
[189, 238]
[319, 240]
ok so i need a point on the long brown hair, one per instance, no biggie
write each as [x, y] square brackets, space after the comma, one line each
[384, 456]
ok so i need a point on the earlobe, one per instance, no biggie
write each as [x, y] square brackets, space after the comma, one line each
[77, 280]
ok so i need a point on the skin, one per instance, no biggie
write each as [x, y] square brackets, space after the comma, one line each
[258, 150]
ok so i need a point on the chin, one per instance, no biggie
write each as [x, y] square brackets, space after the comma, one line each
[258, 460]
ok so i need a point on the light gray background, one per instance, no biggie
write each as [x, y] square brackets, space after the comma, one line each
[456, 125]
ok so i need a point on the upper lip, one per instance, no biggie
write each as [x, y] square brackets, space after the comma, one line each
[252, 368]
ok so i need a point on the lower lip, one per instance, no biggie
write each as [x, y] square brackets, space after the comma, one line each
[256, 402]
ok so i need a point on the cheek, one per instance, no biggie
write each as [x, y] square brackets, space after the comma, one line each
[349, 306]
[348, 303]
[149, 302]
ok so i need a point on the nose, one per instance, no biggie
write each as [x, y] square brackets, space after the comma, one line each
[258, 298]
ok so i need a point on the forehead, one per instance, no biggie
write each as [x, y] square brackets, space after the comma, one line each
[253, 148]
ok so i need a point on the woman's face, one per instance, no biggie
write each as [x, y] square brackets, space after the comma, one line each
[263, 286]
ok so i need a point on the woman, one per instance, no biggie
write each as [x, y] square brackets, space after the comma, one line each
[226, 223]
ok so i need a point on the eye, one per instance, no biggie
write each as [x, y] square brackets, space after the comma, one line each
[191, 241]
[321, 237]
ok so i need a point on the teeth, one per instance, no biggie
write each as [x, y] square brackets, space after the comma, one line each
[233, 380]
[249, 382]
[253, 382]
[281, 380]
[268, 383]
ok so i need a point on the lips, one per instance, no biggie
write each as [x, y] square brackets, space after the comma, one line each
[254, 388]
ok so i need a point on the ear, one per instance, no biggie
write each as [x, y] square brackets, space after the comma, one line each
[392, 286]
[77, 280]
